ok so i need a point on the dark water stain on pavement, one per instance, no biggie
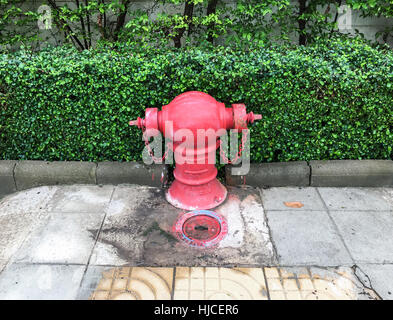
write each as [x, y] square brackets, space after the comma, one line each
[144, 236]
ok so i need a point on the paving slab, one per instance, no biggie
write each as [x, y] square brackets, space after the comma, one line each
[356, 198]
[17, 221]
[275, 198]
[380, 277]
[28, 201]
[306, 238]
[367, 234]
[43, 282]
[80, 198]
[14, 229]
[66, 238]
[138, 230]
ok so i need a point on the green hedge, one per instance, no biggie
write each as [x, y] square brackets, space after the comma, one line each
[333, 100]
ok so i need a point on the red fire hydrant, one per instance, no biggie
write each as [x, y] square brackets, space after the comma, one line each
[195, 185]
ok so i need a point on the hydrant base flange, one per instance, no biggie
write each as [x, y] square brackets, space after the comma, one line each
[195, 197]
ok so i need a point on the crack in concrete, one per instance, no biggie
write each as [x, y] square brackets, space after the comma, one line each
[310, 173]
[96, 238]
[275, 251]
[335, 225]
[366, 283]
[95, 173]
[13, 175]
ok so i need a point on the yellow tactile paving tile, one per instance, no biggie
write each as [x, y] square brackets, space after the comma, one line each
[135, 283]
[211, 283]
[219, 284]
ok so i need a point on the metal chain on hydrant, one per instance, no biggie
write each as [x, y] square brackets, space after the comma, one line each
[239, 153]
[150, 151]
[222, 153]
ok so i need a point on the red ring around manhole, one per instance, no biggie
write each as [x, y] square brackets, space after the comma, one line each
[201, 228]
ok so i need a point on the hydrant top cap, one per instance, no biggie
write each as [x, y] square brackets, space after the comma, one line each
[193, 95]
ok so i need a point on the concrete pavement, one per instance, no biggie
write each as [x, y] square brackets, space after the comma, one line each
[107, 242]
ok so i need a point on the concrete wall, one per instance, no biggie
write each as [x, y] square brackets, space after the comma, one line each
[349, 21]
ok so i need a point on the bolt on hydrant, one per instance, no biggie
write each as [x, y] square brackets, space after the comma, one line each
[190, 114]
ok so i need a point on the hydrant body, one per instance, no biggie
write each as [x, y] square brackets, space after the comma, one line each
[194, 121]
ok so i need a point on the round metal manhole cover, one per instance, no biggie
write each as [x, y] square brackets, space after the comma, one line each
[201, 228]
